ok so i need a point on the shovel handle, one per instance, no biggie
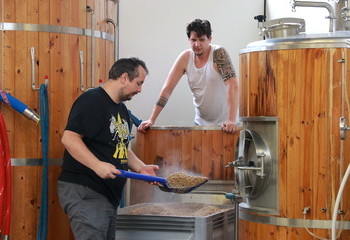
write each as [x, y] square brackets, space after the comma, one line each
[140, 176]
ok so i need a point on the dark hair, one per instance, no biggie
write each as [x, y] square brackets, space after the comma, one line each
[199, 26]
[126, 65]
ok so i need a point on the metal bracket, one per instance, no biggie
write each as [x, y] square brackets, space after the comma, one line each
[343, 128]
[81, 58]
[32, 55]
[114, 23]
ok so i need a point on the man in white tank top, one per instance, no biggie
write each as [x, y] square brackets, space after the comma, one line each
[211, 77]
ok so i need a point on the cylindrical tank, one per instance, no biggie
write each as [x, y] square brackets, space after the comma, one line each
[72, 43]
[303, 82]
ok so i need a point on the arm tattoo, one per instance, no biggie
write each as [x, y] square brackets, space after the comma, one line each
[162, 101]
[223, 61]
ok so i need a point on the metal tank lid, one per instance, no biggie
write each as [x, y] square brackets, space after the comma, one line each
[340, 39]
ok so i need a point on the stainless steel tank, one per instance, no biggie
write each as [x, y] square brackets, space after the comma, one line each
[289, 167]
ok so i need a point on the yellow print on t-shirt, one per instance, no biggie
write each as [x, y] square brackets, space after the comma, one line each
[120, 129]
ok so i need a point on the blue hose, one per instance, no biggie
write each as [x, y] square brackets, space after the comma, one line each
[136, 121]
[44, 112]
[12, 101]
[18, 106]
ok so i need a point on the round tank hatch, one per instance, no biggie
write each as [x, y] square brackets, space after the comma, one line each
[253, 164]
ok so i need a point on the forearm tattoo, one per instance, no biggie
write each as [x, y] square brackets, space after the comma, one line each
[223, 61]
[162, 101]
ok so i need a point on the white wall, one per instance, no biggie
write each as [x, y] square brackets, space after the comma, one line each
[155, 31]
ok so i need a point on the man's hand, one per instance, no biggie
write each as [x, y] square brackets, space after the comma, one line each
[145, 125]
[105, 170]
[229, 126]
[149, 170]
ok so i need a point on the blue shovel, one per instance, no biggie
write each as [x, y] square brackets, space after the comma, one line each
[163, 181]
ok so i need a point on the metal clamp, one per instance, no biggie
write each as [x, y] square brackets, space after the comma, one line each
[343, 128]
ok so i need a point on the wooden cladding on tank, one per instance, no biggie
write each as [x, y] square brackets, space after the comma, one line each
[204, 152]
[308, 90]
[57, 55]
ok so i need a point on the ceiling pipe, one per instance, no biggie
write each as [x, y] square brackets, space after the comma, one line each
[329, 7]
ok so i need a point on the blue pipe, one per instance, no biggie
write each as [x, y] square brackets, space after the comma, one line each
[18, 106]
[44, 112]
[136, 121]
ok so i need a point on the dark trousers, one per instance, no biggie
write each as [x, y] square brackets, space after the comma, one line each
[91, 215]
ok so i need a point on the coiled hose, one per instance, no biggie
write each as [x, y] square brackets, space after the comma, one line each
[44, 114]
[5, 181]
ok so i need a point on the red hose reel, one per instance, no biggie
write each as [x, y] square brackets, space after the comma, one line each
[5, 180]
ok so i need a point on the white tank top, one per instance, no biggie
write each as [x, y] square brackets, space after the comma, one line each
[209, 91]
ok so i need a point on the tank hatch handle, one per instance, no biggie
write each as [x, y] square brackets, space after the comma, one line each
[260, 170]
[343, 128]
[240, 158]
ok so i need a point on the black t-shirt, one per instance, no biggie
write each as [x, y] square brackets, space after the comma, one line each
[105, 126]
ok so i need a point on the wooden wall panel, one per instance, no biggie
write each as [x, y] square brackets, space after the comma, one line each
[43, 12]
[26, 134]
[101, 68]
[244, 84]
[57, 56]
[279, 64]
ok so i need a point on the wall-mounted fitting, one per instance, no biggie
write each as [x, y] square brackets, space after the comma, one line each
[341, 212]
[306, 210]
[32, 56]
[89, 9]
[343, 128]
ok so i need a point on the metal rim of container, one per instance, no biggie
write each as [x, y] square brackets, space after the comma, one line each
[186, 127]
[6, 26]
[17, 162]
[284, 21]
[301, 41]
[291, 222]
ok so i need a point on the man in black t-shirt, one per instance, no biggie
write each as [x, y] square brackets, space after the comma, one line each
[96, 142]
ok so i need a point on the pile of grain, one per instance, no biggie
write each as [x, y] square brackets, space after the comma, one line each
[182, 180]
[176, 209]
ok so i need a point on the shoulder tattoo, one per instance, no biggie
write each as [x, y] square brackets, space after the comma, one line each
[162, 101]
[223, 61]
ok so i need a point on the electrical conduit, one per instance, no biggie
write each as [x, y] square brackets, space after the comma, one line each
[5, 181]
[337, 202]
[44, 113]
